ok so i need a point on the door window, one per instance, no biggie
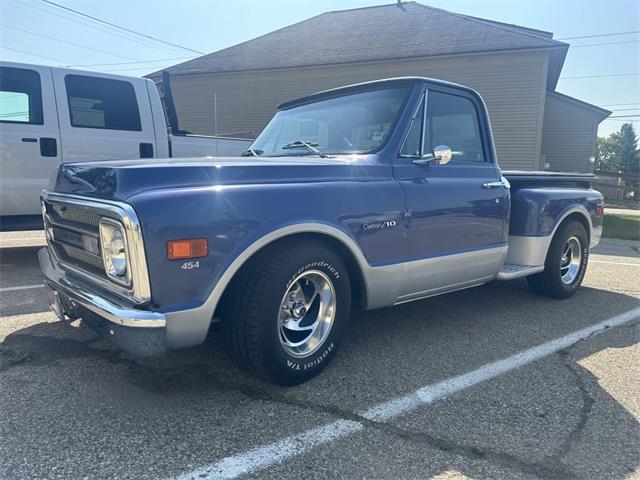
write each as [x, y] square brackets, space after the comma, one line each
[452, 120]
[411, 145]
[20, 96]
[104, 103]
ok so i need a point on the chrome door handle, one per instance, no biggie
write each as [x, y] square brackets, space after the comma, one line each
[493, 184]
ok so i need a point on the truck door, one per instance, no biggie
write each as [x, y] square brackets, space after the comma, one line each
[103, 117]
[29, 137]
[455, 212]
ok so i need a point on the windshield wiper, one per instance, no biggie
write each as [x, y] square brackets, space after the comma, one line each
[250, 152]
[311, 146]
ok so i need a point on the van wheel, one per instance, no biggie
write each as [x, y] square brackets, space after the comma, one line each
[566, 263]
[286, 313]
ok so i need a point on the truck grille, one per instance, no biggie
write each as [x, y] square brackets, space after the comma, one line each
[72, 230]
[75, 215]
[73, 236]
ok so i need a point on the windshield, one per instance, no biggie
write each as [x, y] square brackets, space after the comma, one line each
[358, 123]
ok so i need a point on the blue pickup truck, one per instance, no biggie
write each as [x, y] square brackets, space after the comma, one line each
[369, 195]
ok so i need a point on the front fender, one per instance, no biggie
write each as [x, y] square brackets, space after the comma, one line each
[239, 220]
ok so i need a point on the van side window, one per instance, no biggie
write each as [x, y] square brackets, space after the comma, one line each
[96, 102]
[452, 120]
[20, 96]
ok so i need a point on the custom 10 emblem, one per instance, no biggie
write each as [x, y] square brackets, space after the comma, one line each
[386, 224]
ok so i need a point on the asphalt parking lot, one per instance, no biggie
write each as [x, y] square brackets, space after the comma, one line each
[491, 382]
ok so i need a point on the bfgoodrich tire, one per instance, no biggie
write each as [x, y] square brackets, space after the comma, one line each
[566, 263]
[286, 312]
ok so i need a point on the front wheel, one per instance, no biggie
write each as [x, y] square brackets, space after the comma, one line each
[566, 263]
[286, 312]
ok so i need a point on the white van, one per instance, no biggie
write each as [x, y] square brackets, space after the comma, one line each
[52, 115]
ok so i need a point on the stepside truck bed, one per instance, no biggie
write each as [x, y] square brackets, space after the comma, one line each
[519, 178]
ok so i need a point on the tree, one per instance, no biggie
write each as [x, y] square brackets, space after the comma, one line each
[628, 154]
[619, 152]
[606, 154]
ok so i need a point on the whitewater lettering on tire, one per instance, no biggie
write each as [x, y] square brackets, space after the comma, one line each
[312, 363]
[316, 264]
[251, 318]
[583, 265]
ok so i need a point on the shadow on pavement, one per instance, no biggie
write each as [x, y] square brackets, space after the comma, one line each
[196, 396]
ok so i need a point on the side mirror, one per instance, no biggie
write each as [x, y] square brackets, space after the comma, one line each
[441, 155]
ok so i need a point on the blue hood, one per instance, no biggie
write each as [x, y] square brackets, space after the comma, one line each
[120, 179]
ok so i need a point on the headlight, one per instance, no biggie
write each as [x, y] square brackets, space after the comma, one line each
[114, 251]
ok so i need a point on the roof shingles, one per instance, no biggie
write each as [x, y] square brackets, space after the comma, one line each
[368, 34]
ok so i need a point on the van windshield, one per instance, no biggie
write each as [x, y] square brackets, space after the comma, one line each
[356, 123]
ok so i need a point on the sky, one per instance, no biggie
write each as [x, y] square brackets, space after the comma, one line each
[34, 31]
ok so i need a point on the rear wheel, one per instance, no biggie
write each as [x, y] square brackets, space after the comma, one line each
[566, 262]
[286, 312]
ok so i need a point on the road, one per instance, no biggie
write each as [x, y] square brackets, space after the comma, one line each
[491, 382]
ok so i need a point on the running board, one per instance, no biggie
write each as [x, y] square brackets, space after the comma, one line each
[511, 272]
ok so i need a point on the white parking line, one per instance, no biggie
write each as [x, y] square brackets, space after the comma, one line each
[24, 239]
[615, 263]
[262, 457]
[21, 287]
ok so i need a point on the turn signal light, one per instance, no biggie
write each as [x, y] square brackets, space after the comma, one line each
[182, 249]
[599, 210]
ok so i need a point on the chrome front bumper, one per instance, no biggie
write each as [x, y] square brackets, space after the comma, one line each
[136, 331]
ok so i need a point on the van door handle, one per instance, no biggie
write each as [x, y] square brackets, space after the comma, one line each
[48, 147]
[29, 140]
[146, 150]
[493, 184]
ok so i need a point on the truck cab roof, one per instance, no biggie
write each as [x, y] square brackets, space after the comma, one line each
[371, 85]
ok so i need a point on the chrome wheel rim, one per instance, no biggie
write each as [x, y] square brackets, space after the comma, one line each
[306, 314]
[571, 260]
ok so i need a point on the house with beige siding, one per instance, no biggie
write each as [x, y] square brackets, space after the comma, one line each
[514, 68]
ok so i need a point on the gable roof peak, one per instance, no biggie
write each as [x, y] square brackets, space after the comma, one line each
[369, 34]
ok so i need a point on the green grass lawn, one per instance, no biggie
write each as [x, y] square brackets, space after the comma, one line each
[626, 227]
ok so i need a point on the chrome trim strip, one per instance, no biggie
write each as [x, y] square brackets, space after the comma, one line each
[451, 289]
[125, 282]
[141, 287]
[511, 272]
[117, 314]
